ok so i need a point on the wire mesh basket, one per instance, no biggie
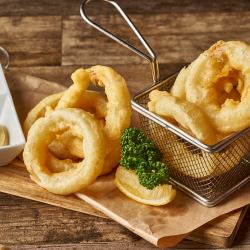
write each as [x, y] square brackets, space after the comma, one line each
[208, 177]
[208, 173]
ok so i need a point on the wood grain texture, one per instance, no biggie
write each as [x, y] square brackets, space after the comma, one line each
[16, 173]
[49, 225]
[32, 40]
[29, 190]
[41, 226]
[177, 38]
[222, 231]
[71, 7]
[138, 76]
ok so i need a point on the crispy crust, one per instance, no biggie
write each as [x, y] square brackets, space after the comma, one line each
[36, 150]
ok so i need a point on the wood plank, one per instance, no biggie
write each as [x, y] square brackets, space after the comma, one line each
[112, 245]
[32, 40]
[221, 232]
[137, 76]
[46, 224]
[29, 222]
[58, 7]
[243, 237]
[182, 37]
[28, 189]
[34, 223]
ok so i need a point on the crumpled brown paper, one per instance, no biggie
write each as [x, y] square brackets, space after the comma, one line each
[163, 226]
[27, 91]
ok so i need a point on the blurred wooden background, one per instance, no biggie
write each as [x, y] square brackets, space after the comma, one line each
[48, 39]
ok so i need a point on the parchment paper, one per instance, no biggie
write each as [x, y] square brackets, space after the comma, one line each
[27, 91]
[163, 226]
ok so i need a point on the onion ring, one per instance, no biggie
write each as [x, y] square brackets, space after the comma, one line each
[40, 110]
[113, 156]
[72, 95]
[118, 108]
[36, 150]
[57, 166]
[178, 89]
[91, 101]
[186, 114]
[69, 147]
[76, 96]
[219, 82]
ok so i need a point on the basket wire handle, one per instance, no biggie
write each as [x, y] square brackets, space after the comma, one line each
[150, 57]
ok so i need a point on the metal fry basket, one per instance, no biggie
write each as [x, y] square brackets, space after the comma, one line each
[207, 173]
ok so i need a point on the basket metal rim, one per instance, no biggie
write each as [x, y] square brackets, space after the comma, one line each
[208, 202]
[178, 131]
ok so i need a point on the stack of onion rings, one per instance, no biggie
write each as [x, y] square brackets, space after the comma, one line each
[226, 64]
[216, 86]
[63, 150]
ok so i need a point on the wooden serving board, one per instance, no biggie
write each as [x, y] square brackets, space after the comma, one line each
[221, 231]
[14, 179]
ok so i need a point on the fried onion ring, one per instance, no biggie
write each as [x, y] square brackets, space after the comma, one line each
[73, 94]
[57, 166]
[113, 156]
[91, 101]
[178, 89]
[40, 110]
[36, 151]
[118, 108]
[185, 113]
[69, 147]
[76, 96]
[219, 83]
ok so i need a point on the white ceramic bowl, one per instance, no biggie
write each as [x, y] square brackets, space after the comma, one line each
[9, 119]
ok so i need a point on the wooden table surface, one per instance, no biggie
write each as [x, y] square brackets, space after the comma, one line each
[48, 39]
